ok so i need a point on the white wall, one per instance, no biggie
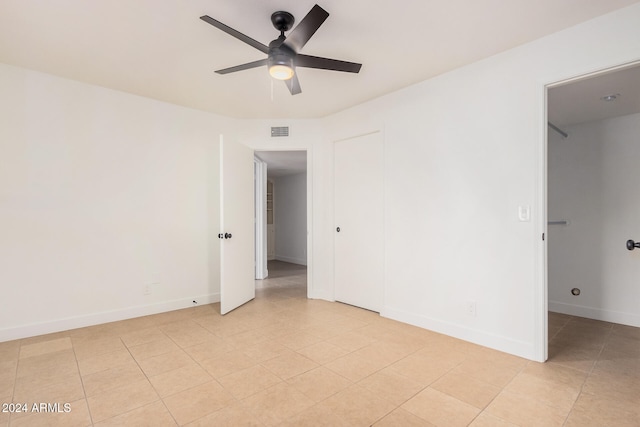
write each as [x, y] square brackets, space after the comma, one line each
[101, 194]
[463, 151]
[290, 207]
[593, 182]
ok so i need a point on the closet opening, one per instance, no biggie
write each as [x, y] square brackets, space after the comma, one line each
[592, 210]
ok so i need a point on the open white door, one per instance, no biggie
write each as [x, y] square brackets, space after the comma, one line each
[237, 247]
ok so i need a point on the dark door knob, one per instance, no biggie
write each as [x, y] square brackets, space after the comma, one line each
[220, 236]
[227, 235]
[631, 245]
[338, 229]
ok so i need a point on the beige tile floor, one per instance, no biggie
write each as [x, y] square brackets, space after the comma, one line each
[285, 360]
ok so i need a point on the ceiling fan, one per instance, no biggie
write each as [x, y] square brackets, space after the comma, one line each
[283, 53]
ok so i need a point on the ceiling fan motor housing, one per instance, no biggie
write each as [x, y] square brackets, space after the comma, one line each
[283, 21]
[280, 54]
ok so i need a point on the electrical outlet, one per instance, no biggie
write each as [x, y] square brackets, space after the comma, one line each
[146, 290]
[471, 308]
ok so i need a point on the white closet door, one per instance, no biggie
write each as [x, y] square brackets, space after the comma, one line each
[359, 221]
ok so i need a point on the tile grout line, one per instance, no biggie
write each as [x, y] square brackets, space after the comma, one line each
[482, 410]
[586, 378]
[84, 391]
[429, 386]
[15, 381]
[213, 379]
[147, 377]
[578, 395]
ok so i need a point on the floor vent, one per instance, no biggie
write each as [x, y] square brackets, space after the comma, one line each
[279, 131]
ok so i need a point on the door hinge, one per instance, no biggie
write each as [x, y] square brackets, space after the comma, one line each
[543, 237]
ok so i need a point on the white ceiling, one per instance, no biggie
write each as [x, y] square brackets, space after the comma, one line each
[581, 100]
[162, 50]
[281, 163]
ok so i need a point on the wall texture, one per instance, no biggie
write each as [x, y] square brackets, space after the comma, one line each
[106, 202]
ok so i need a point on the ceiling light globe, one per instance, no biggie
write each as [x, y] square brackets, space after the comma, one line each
[281, 72]
[280, 62]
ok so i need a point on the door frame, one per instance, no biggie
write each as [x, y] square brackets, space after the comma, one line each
[261, 228]
[541, 279]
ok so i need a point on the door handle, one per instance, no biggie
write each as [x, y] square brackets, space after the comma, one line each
[227, 235]
[220, 236]
[338, 229]
[631, 245]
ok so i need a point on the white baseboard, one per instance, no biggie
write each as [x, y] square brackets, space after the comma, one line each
[321, 294]
[622, 318]
[497, 342]
[58, 325]
[299, 261]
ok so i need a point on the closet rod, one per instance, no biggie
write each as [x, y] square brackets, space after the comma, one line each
[557, 129]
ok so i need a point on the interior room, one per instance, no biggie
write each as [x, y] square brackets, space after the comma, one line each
[435, 284]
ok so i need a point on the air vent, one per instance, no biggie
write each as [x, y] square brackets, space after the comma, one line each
[279, 131]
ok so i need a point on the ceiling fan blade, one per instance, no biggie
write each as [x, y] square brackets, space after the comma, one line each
[326, 64]
[237, 34]
[294, 85]
[301, 34]
[246, 66]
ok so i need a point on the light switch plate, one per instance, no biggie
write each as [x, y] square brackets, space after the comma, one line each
[524, 213]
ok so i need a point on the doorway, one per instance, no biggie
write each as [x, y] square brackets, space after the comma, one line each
[283, 199]
[591, 207]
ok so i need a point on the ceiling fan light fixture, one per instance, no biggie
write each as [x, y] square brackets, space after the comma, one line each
[280, 64]
[283, 57]
[281, 72]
